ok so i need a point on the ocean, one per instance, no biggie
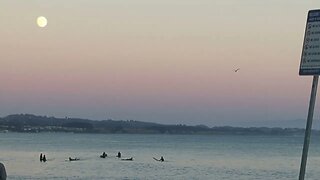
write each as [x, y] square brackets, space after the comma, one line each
[210, 157]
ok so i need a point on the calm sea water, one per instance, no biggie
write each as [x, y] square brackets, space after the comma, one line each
[186, 156]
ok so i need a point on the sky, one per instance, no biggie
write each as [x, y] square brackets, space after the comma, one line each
[164, 61]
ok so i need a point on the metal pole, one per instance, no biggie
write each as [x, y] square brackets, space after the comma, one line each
[308, 128]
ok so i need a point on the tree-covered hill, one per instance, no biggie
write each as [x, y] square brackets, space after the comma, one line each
[33, 123]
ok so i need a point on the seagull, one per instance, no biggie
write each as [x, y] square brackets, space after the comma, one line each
[236, 70]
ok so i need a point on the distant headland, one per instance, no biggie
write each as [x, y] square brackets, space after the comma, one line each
[36, 124]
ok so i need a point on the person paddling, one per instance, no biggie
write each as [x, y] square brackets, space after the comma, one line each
[73, 159]
[104, 155]
[44, 159]
[41, 159]
[119, 155]
[161, 159]
[128, 159]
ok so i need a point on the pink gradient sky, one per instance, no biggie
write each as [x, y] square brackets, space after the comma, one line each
[168, 61]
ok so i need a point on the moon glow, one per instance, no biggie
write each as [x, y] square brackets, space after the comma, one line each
[42, 21]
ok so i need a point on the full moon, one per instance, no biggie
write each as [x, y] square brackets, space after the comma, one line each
[42, 21]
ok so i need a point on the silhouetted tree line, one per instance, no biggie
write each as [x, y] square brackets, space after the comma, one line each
[33, 123]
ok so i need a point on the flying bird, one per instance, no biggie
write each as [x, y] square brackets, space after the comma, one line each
[236, 70]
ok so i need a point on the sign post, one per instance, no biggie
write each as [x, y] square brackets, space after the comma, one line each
[310, 65]
[308, 128]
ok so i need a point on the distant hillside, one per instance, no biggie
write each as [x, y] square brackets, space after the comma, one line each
[297, 123]
[33, 123]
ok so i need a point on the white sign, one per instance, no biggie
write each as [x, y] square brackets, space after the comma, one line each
[310, 58]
